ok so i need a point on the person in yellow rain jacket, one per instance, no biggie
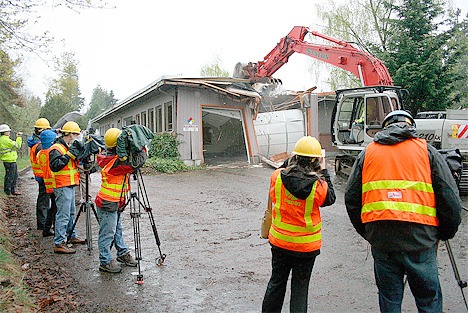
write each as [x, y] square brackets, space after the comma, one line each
[9, 156]
[295, 235]
[111, 200]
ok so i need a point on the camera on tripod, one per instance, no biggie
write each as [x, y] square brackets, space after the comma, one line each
[132, 141]
[89, 148]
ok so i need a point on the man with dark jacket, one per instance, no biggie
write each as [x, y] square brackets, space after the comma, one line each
[63, 164]
[401, 197]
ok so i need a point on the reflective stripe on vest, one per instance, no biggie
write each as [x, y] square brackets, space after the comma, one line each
[389, 193]
[43, 160]
[302, 238]
[35, 166]
[68, 175]
[113, 187]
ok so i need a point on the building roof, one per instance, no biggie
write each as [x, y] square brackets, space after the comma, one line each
[238, 89]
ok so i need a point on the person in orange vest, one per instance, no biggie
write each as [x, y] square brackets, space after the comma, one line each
[111, 200]
[296, 193]
[63, 164]
[402, 198]
[43, 199]
[47, 138]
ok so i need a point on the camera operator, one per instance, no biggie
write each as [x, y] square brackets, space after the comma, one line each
[111, 201]
[63, 165]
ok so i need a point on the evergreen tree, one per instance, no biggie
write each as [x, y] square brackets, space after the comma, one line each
[421, 55]
[64, 93]
[101, 100]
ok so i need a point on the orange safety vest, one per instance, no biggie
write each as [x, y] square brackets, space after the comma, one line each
[36, 167]
[68, 175]
[49, 181]
[401, 189]
[114, 187]
[296, 223]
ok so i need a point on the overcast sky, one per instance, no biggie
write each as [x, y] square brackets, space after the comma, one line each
[126, 48]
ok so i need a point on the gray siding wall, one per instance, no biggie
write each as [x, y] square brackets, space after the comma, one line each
[187, 103]
[190, 102]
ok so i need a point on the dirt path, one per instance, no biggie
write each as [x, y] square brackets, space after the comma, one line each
[209, 222]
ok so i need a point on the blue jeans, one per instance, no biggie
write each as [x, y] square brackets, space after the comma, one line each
[65, 200]
[110, 233]
[422, 272]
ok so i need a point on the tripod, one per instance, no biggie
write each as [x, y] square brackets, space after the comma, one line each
[86, 206]
[138, 200]
[462, 284]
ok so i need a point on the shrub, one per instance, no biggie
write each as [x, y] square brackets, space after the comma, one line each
[166, 165]
[164, 145]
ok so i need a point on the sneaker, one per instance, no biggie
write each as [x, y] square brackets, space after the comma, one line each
[77, 241]
[128, 260]
[111, 267]
[63, 249]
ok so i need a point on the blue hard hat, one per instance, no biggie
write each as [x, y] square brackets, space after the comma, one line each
[47, 138]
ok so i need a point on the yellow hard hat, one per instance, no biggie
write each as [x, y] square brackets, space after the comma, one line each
[110, 137]
[70, 127]
[308, 146]
[42, 123]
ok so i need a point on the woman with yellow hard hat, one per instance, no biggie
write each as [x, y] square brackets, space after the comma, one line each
[296, 193]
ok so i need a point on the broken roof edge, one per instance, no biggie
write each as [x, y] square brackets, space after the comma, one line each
[166, 79]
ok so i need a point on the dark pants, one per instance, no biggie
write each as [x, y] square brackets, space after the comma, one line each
[422, 272]
[42, 205]
[11, 176]
[283, 262]
[50, 219]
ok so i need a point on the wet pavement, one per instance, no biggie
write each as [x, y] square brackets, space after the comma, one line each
[209, 222]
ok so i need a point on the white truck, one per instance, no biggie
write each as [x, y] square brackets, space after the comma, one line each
[447, 130]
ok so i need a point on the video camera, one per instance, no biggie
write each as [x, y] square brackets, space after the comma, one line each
[133, 139]
[89, 147]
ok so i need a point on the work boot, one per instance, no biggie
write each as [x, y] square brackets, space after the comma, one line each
[111, 267]
[77, 241]
[47, 233]
[63, 249]
[128, 260]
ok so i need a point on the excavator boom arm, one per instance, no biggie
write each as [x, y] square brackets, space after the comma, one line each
[362, 64]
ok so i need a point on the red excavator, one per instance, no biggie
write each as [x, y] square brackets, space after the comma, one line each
[358, 112]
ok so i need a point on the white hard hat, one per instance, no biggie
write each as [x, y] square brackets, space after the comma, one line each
[4, 128]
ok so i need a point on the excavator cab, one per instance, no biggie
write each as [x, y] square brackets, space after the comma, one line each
[357, 117]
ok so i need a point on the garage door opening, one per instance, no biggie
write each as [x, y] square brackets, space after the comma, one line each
[223, 136]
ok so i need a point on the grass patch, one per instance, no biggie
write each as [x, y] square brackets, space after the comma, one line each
[22, 163]
[14, 293]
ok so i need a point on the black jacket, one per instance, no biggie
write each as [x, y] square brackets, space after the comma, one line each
[406, 236]
[58, 160]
